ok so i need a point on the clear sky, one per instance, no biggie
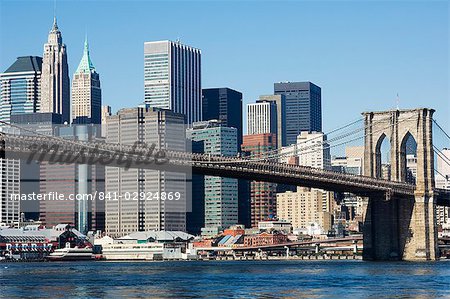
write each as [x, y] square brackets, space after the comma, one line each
[361, 53]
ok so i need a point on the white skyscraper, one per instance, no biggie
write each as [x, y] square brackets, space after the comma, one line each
[261, 117]
[55, 89]
[172, 78]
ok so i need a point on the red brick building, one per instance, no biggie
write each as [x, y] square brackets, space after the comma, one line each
[265, 239]
[262, 194]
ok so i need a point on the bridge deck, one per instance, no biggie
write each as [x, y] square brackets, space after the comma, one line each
[46, 148]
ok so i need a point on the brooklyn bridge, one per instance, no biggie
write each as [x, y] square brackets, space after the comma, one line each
[400, 220]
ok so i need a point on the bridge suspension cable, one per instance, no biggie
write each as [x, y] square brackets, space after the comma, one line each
[327, 143]
[295, 150]
[275, 151]
[440, 127]
[233, 160]
[327, 146]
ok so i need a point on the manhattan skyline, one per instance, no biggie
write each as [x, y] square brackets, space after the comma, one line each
[360, 54]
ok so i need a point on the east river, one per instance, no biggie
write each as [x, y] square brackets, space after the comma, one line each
[225, 279]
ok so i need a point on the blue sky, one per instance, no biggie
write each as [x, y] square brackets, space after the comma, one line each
[361, 53]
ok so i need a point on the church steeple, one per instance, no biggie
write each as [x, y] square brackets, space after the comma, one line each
[86, 65]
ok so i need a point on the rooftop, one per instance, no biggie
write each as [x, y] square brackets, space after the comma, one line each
[26, 64]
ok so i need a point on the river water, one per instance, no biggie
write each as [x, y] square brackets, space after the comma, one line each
[225, 279]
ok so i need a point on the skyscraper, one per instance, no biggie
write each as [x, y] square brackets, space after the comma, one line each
[313, 150]
[81, 180]
[280, 102]
[165, 130]
[308, 205]
[220, 194]
[261, 117]
[262, 194]
[30, 180]
[86, 92]
[224, 104]
[10, 180]
[106, 112]
[19, 93]
[55, 88]
[303, 108]
[20, 87]
[172, 78]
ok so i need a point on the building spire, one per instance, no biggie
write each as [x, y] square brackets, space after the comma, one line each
[55, 24]
[86, 44]
[86, 65]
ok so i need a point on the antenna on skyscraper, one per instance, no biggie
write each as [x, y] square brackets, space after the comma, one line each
[54, 9]
[398, 102]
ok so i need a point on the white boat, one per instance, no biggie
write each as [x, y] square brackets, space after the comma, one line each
[71, 254]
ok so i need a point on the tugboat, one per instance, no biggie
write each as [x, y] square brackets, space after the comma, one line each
[71, 254]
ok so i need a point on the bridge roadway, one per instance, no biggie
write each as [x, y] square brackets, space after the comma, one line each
[47, 148]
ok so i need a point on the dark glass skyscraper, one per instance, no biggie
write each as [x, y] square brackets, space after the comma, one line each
[303, 108]
[20, 87]
[224, 104]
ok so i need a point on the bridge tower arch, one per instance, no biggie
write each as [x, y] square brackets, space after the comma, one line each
[398, 227]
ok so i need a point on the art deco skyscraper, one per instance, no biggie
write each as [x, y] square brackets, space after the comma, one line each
[86, 92]
[55, 88]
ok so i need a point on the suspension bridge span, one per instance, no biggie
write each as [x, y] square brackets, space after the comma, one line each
[400, 220]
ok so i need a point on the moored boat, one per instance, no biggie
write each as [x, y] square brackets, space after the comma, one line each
[71, 254]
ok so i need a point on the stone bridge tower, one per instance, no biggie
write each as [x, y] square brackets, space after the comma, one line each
[399, 227]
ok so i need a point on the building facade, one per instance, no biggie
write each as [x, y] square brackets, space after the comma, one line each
[220, 194]
[55, 88]
[10, 180]
[86, 92]
[303, 108]
[261, 117]
[280, 102]
[308, 206]
[172, 78]
[84, 211]
[313, 150]
[443, 182]
[262, 194]
[20, 87]
[44, 124]
[162, 129]
[225, 105]
[305, 208]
